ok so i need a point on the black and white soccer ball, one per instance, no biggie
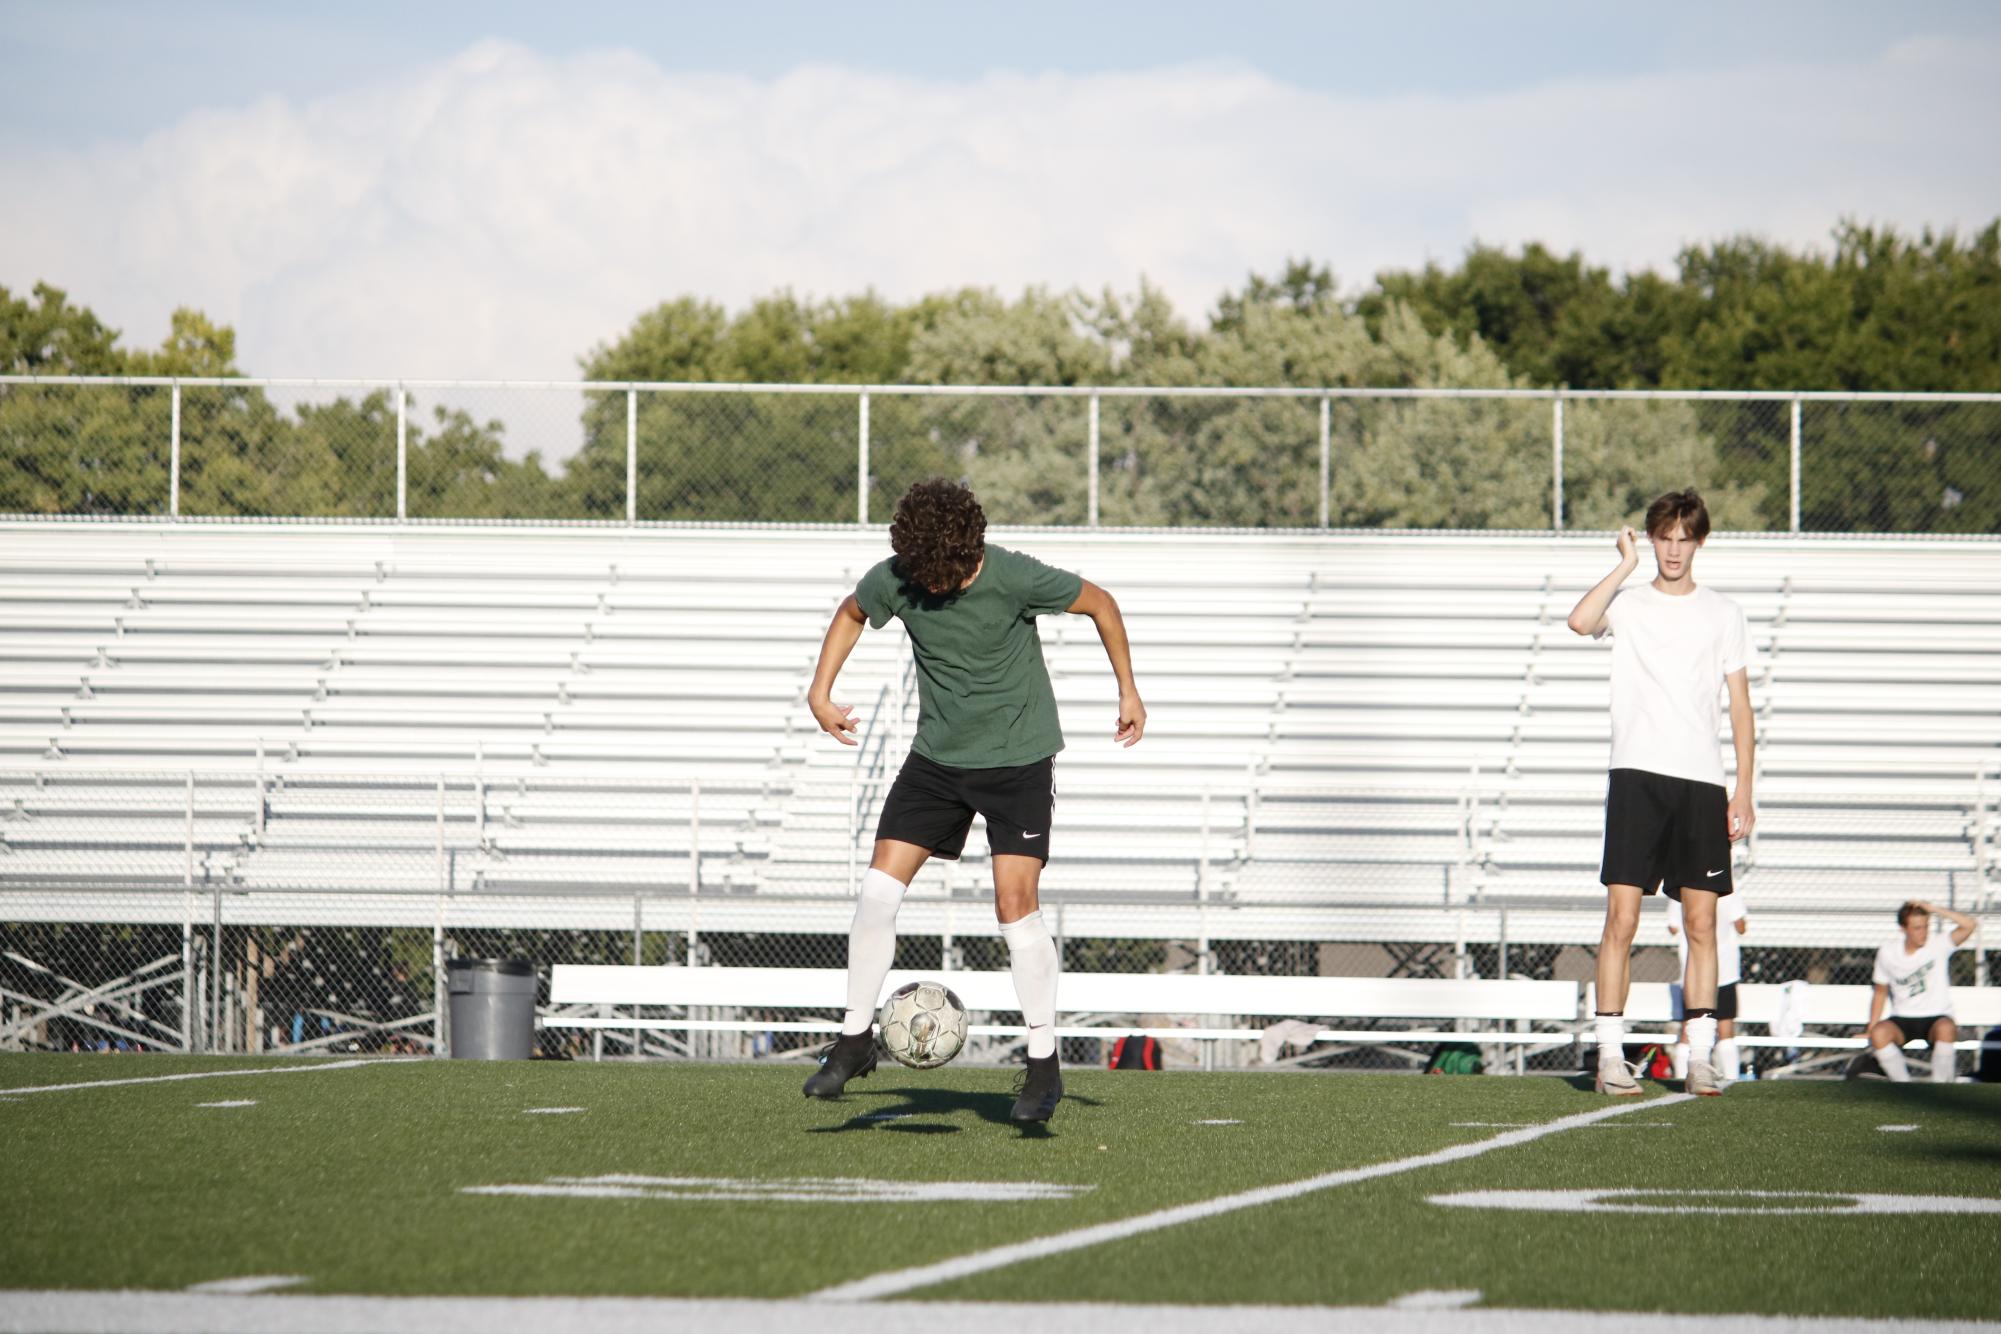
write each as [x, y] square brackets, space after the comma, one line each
[923, 1025]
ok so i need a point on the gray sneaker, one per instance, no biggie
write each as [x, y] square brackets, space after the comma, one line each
[1614, 1078]
[1702, 1079]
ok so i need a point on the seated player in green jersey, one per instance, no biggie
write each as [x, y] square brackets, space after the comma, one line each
[987, 735]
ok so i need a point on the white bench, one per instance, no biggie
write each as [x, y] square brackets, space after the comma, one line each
[1518, 1004]
[1976, 1009]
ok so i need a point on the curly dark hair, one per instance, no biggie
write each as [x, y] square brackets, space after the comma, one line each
[939, 535]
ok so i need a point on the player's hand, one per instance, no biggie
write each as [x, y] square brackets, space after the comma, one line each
[1629, 545]
[836, 720]
[1132, 721]
[1741, 816]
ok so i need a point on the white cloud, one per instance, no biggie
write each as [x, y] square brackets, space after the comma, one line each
[495, 215]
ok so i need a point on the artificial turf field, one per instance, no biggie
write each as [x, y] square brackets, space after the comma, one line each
[364, 1177]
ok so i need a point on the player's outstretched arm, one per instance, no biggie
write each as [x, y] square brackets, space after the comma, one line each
[1878, 994]
[1743, 810]
[836, 720]
[1096, 603]
[1588, 616]
[1963, 925]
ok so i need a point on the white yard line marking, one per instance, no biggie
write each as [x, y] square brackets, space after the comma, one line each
[133, 1312]
[1896, 1129]
[1216, 1123]
[944, 1271]
[785, 1190]
[549, 1111]
[233, 1102]
[215, 1074]
[1453, 1299]
[1608, 1125]
[244, 1287]
[1762, 1203]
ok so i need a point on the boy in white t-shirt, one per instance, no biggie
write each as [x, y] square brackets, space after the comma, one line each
[1914, 975]
[1731, 922]
[1675, 648]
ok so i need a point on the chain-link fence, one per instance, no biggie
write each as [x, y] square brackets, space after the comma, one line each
[246, 912]
[1100, 457]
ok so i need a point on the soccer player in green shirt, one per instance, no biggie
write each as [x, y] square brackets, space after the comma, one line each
[987, 734]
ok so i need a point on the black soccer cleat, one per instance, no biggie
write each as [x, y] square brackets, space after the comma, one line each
[1040, 1089]
[850, 1056]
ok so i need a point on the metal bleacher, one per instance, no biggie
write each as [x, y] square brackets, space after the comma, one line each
[1351, 737]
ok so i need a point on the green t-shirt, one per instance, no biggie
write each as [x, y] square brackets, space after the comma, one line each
[983, 693]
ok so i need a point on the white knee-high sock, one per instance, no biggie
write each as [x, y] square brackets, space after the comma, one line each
[1701, 1037]
[1031, 957]
[1945, 1062]
[1729, 1060]
[871, 947]
[1891, 1057]
[1679, 1055]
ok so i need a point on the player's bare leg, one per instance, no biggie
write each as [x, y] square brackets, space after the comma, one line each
[1615, 963]
[1031, 952]
[1698, 989]
[871, 951]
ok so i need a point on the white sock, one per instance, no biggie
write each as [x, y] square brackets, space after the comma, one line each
[1611, 1036]
[1681, 1060]
[1729, 1062]
[1701, 1037]
[1945, 1062]
[1891, 1058]
[871, 947]
[1031, 957]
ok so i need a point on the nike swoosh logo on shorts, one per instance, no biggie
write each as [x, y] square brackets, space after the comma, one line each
[1031, 836]
[1712, 874]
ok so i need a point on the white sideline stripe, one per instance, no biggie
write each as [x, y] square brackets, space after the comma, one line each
[208, 1074]
[1430, 1299]
[232, 1102]
[244, 1287]
[944, 1271]
[1895, 1129]
[131, 1312]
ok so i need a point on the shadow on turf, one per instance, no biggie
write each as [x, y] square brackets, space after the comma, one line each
[903, 1116]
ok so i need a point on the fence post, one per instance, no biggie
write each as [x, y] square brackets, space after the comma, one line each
[189, 996]
[1556, 477]
[402, 453]
[861, 466]
[1326, 461]
[174, 458]
[1091, 461]
[631, 454]
[1795, 443]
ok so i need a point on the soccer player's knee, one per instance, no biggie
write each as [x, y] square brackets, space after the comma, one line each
[1945, 1030]
[1621, 926]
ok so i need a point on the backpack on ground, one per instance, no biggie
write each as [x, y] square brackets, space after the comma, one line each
[1135, 1052]
[1455, 1058]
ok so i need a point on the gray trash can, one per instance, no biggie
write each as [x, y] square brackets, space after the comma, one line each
[493, 1009]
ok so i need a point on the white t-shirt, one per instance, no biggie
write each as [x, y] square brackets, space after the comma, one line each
[1729, 957]
[1669, 657]
[1920, 984]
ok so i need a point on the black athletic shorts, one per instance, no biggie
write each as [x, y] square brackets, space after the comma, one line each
[1726, 997]
[1916, 1027]
[1662, 831]
[933, 804]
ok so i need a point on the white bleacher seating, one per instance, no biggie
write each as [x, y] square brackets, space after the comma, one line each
[1356, 737]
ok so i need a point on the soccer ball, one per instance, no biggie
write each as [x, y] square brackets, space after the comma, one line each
[923, 1025]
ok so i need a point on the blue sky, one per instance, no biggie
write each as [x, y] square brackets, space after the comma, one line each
[427, 190]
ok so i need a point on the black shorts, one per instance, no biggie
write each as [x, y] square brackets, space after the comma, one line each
[1916, 1027]
[933, 804]
[1726, 999]
[1662, 831]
